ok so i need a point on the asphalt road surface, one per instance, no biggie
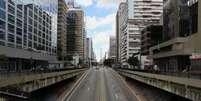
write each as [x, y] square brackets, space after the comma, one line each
[102, 84]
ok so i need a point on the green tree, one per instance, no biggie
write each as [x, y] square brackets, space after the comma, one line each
[133, 61]
[108, 62]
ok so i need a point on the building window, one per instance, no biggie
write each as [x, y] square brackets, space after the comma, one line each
[19, 14]
[43, 41]
[11, 28]
[30, 13]
[11, 38]
[2, 43]
[35, 45]
[35, 38]
[30, 28]
[30, 21]
[134, 44]
[19, 23]
[2, 14]
[2, 4]
[40, 33]
[2, 35]
[2, 25]
[19, 40]
[19, 7]
[11, 9]
[30, 36]
[11, 2]
[11, 19]
[40, 40]
[19, 31]
[35, 24]
[30, 44]
[35, 17]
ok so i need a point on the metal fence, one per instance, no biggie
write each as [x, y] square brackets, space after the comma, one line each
[187, 74]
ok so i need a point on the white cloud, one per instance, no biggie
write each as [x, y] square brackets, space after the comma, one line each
[93, 22]
[101, 40]
[108, 3]
[85, 3]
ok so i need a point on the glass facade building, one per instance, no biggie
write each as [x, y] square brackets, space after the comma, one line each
[29, 24]
[28, 33]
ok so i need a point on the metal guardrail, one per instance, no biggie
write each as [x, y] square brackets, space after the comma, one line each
[22, 77]
[186, 87]
[6, 74]
[189, 74]
[8, 80]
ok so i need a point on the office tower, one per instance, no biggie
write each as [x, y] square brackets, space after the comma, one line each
[62, 30]
[27, 32]
[89, 49]
[75, 32]
[112, 49]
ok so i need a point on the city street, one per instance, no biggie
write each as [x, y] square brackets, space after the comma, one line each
[102, 84]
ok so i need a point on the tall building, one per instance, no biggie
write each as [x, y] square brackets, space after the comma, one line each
[117, 38]
[145, 12]
[132, 17]
[75, 32]
[127, 35]
[112, 49]
[181, 37]
[27, 32]
[89, 49]
[122, 15]
[62, 30]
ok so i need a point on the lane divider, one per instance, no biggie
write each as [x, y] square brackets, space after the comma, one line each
[74, 88]
[121, 79]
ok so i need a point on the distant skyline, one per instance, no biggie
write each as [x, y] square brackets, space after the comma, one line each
[100, 22]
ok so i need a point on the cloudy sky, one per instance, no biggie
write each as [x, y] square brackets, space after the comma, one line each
[100, 22]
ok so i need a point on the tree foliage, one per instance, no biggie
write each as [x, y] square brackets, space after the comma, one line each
[133, 61]
[108, 62]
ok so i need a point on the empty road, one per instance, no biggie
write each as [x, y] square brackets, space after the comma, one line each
[102, 84]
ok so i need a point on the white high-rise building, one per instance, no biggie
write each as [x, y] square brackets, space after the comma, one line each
[132, 17]
[112, 49]
[145, 11]
[89, 49]
[128, 34]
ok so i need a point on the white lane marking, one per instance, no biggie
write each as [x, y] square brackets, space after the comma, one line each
[75, 86]
[123, 81]
[88, 88]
